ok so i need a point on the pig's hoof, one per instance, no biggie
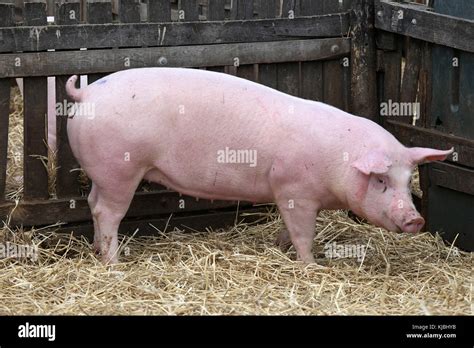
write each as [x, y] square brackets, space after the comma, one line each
[306, 260]
[109, 261]
[96, 250]
[283, 240]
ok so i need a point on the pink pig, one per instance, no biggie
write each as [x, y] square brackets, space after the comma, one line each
[190, 129]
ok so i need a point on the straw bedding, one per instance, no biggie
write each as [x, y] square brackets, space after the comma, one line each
[233, 271]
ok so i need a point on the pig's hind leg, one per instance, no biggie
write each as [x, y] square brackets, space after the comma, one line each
[283, 240]
[109, 201]
[92, 200]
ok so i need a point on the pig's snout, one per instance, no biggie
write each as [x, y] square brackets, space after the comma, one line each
[413, 224]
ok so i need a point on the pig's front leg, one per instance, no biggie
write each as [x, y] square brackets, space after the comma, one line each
[299, 216]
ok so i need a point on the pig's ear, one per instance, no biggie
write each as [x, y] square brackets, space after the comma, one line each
[420, 155]
[374, 161]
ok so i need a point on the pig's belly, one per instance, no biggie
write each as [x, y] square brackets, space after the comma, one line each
[210, 181]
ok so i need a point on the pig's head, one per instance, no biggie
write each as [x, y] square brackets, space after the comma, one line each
[382, 186]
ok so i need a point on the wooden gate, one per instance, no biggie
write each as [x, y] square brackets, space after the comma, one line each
[300, 47]
[437, 47]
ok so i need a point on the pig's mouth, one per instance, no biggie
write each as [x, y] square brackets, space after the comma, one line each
[390, 224]
[398, 229]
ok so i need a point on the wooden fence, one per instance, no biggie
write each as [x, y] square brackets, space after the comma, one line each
[435, 47]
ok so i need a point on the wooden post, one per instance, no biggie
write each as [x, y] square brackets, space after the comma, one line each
[67, 184]
[363, 60]
[159, 11]
[267, 73]
[216, 10]
[241, 9]
[35, 174]
[129, 11]
[189, 10]
[409, 90]
[7, 19]
[288, 74]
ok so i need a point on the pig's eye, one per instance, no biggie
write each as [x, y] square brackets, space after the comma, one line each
[383, 182]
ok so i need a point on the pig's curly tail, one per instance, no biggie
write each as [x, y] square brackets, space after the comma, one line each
[72, 91]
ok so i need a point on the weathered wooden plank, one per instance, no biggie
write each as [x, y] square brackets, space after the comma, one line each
[333, 84]
[159, 11]
[417, 136]
[312, 73]
[289, 9]
[248, 72]
[7, 15]
[241, 9]
[311, 7]
[409, 89]
[335, 92]
[392, 61]
[35, 137]
[35, 175]
[67, 184]
[363, 61]
[452, 177]
[178, 33]
[188, 10]
[7, 18]
[216, 10]
[336, 6]
[35, 13]
[98, 12]
[417, 22]
[189, 223]
[451, 209]
[392, 72]
[425, 94]
[386, 41]
[288, 78]
[346, 83]
[453, 87]
[288, 74]
[4, 117]
[129, 11]
[66, 181]
[68, 13]
[103, 61]
[312, 81]
[76, 209]
[267, 73]
[267, 8]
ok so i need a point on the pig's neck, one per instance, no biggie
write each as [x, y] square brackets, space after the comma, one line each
[340, 138]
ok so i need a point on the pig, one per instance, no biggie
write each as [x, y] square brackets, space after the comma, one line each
[182, 128]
